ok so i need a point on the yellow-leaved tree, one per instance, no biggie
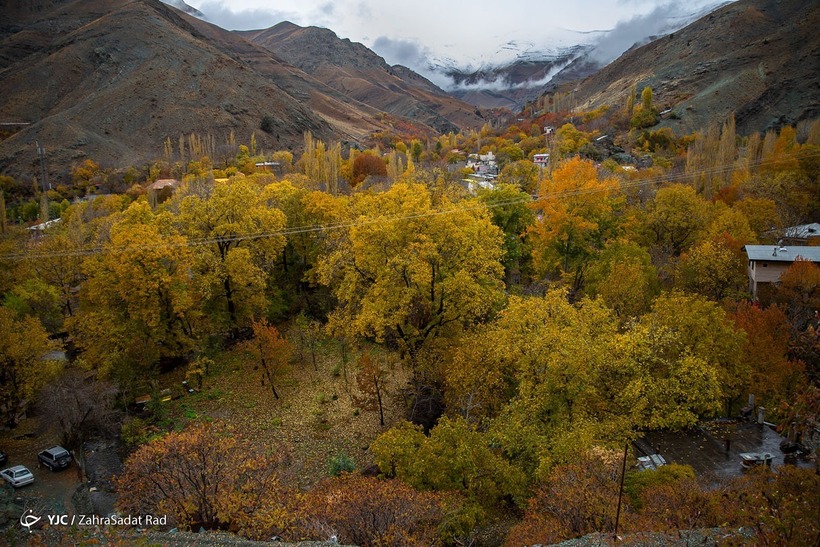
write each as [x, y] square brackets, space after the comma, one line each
[236, 234]
[411, 272]
[137, 305]
[25, 363]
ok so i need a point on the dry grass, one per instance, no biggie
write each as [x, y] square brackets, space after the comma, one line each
[314, 419]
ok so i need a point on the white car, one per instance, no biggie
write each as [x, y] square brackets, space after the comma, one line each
[17, 476]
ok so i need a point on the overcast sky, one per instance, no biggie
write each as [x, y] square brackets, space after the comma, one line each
[467, 32]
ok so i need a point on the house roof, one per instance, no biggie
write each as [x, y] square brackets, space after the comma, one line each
[783, 254]
[45, 225]
[804, 231]
[164, 183]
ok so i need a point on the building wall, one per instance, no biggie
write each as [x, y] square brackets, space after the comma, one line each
[770, 273]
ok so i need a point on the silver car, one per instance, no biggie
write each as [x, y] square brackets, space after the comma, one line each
[17, 476]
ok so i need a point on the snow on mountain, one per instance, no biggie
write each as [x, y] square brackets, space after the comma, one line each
[532, 62]
[182, 6]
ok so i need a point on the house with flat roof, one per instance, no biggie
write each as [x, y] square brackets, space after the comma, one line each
[768, 262]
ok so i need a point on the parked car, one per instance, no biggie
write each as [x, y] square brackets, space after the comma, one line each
[55, 457]
[17, 476]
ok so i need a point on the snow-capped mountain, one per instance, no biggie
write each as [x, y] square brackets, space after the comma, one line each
[521, 69]
[182, 6]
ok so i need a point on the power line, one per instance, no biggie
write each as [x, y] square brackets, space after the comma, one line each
[315, 228]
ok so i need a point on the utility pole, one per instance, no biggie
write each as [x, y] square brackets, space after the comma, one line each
[41, 153]
[620, 493]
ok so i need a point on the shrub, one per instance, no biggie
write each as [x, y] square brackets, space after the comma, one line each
[341, 464]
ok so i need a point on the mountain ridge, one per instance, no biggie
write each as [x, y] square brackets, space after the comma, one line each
[90, 83]
[751, 57]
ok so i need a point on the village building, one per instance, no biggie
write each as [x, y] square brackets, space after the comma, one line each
[768, 262]
[541, 160]
[483, 164]
[805, 234]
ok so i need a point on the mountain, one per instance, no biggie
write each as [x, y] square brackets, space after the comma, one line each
[111, 80]
[182, 6]
[353, 69]
[513, 84]
[521, 70]
[756, 58]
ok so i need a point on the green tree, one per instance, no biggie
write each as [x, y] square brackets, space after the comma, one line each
[522, 174]
[511, 211]
[455, 457]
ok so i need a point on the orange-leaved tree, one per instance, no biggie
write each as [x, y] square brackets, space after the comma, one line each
[368, 511]
[272, 350]
[207, 476]
[577, 215]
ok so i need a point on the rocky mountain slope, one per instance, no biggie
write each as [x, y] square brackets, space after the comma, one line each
[112, 79]
[353, 69]
[756, 58]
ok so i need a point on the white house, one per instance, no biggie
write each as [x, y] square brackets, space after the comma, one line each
[541, 160]
[768, 262]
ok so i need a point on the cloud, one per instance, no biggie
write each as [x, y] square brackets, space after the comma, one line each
[626, 34]
[245, 19]
[401, 52]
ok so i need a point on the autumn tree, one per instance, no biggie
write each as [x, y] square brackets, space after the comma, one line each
[780, 507]
[712, 269]
[79, 406]
[25, 363]
[702, 331]
[370, 381]
[207, 476]
[576, 499]
[237, 235]
[569, 140]
[366, 165]
[272, 350]
[645, 114]
[86, 176]
[774, 377]
[623, 275]
[137, 304]
[479, 380]
[799, 292]
[412, 272]
[57, 261]
[368, 511]
[675, 218]
[577, 215]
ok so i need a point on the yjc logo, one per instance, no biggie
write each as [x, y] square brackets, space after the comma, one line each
[29, 520]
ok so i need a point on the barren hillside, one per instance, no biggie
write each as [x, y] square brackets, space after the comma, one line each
[756, 58]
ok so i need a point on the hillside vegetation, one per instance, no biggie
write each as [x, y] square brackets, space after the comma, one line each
[377, 341]
[475, 350]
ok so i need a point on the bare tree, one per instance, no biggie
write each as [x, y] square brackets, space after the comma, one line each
[79, 407]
